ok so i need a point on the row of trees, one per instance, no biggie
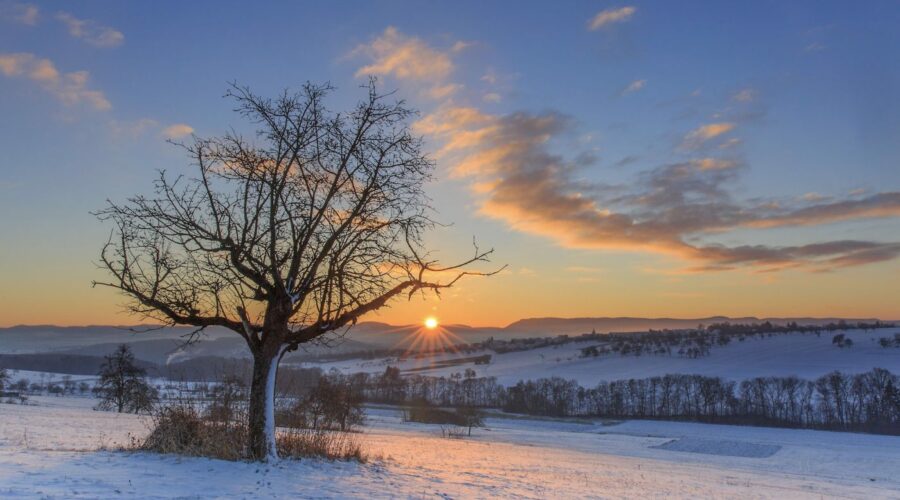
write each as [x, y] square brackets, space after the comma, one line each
[863, 402]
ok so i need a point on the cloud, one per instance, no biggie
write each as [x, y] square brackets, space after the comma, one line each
[21, 13]
[704, 133]
[745, 95]
[611, 16]
[814, 197]
[730, 143]
[634, 86]
[460, 46]
[714, 163]
[444, 91]
[133, 129]
[814, 47]
[177, 131]
[405, 58]
[676, 209]
[69, 88]
[90, 31]
[492, 97]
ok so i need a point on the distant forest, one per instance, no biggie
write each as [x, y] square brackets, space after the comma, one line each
[866, 402]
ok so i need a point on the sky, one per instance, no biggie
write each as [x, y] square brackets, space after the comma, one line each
[654, 159]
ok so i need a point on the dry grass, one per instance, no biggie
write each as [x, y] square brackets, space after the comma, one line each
[330, 445]
[183, 430]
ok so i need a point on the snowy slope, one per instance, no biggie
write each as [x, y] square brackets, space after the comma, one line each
[803, 355]
[50, 452]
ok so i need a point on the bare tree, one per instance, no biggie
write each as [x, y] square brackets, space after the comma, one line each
[285, 237]
[122, 385]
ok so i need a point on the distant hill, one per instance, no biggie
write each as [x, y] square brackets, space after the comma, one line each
[65, 363]
[166, 346]
[568, 326]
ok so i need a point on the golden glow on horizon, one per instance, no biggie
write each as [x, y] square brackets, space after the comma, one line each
[431, 323]
[627, 286]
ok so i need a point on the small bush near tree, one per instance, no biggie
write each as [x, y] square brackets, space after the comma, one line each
[218, 429]
[470, 417]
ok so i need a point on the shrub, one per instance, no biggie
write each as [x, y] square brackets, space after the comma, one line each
[217, 428]
[330, 405]
[182, 430]
[423, 413]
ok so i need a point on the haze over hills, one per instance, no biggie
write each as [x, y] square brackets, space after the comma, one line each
[163, 346]
[569, 326]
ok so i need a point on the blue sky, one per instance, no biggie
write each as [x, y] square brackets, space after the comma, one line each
[801, 101]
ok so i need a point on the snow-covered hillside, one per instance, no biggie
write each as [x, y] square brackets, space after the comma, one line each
[51, 451]
[804, 355]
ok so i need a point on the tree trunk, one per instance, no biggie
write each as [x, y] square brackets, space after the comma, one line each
[261, 424]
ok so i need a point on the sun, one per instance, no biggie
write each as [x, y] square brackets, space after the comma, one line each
[431, 323]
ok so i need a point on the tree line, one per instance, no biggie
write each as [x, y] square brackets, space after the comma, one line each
[866, 402]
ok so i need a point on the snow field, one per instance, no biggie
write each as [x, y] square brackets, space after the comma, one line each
[49, 451]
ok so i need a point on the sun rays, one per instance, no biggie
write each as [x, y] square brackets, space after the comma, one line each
[429, 339]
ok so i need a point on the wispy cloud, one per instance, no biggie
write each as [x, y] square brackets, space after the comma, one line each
[671, 209]
[678, 209]
[21, 13]
[744, 95]
[69, 88]
[814, 47]
[177, 131]
[714, 163]
[611, 16]
[132, 129]
[634, 87]
[704, 133]
[406, 58]
[90, 31]
[411, 59]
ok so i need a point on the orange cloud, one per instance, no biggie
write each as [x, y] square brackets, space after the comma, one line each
[406, 58]
[70, 88]
[714, 164]
[698, 136]
[519, 179]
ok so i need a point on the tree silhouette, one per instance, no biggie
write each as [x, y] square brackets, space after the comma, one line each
[286, 237]
[122, 385]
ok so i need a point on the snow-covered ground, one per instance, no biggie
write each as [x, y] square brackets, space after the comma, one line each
[804, 355]
[50, 450]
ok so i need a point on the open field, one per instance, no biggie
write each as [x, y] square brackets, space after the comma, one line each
[50, 450]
